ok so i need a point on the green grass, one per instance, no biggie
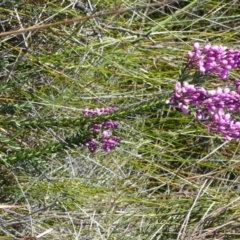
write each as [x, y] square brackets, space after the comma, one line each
[168, 179]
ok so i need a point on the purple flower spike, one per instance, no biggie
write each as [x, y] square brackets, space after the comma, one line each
[213, 60]
[109, 143]
[95, 127]
[91, 143]
[103, 129]
[214, 108]
[110, 124]
[98, 111]
[187, 95]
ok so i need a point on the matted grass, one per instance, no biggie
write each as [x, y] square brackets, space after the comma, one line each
[168, 179]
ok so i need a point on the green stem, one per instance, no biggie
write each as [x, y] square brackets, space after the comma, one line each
[31, 153]
[152, 104]
[79, 137]
[75, 139]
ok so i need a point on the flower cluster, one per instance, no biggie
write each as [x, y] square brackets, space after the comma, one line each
[97, 111]
[187, 95]
[103, 129]
[216, 109]
[213, 108]
[213, 60]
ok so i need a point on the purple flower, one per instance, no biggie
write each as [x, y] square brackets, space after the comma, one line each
[98, 111]
[110, 124]
[213, 60]
[186, 95]
[109, 143]
[95, 127]
[103, 130]
[222, 123]
[91, 143]
[213, 108]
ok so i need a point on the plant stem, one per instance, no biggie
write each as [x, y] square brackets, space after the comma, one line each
[122, 113]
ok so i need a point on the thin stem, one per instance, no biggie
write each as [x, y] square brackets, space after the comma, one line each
[70, 142]
[122, 113]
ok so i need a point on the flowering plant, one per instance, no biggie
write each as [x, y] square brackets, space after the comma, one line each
[213, 60]
[215, 109]
[103, 129]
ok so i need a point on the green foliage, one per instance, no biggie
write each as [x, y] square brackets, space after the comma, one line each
[168, 179]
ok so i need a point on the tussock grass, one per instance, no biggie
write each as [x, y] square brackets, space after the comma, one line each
[168, 179]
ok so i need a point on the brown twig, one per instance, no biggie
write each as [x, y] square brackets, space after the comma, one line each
[79, 19]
